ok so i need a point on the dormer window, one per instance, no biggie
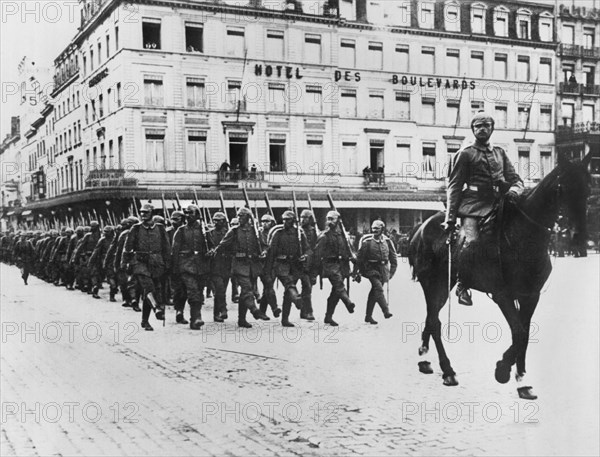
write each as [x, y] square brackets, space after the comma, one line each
[501, 21]
[452, 16]
[426, 14]
[545, 26]
[524, 24]
[478, 18]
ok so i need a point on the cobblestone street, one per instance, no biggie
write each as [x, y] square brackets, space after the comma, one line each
[78, 377]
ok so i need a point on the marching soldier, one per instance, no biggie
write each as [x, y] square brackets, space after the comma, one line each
[308, 223]
[242, 242]
[174, 286]
[96, 262]
[147, 251]
[24, 254]
[377, 261]
[287, 254]
[333, 256]
[83, 253]
[109, 264]
[268, 297]
[220, 268]
[75, 239]
[59, 256]
[191, 262]
[126, 285]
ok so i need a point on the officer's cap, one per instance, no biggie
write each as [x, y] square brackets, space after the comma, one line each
[192, 209]
[235, 221]
[482, 116]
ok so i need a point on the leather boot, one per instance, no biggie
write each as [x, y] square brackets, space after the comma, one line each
[95, 292]
[111, 297]
[370, 307]
[331, 304]
[180, 318]
[242, 312]
[307, 311]
[146, 325]
[159, 312]
[285, 316]
[464, 295]
[195, 317]
[258, 314]
[346, 300]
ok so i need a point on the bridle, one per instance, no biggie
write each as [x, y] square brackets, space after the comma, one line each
[533, 221]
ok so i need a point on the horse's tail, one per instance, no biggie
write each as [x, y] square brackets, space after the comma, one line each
[415, 249]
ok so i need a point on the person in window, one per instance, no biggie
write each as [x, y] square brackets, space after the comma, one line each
[572, 79]
[481, 173]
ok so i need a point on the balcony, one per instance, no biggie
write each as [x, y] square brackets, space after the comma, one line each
[570, 88]
[233, 177]
[374, 180]
[579, 131]
[591, 89]
[577, 50]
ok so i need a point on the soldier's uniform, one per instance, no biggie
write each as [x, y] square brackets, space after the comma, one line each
[59, 257]
[46, 252]
[109, 264]
[24, 253]
[82, 254]
[377, 261]
[332, 257]
[268, 297]
[220, 268]
[96, 261]
[242, 243]
[147, 251]
[190, 260]
[175, 288]
[285, 261]
[126, 283]
[72, 273]
[306, 279]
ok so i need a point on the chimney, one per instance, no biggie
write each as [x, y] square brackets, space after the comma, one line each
[15, 126]
[361, 10]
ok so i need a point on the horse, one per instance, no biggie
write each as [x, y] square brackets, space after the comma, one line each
[512, 269]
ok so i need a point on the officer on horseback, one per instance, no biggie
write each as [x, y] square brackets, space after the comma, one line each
[480, 175]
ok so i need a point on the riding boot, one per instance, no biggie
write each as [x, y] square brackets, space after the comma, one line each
[285, 315]
[331, 304]
[464, 294]
[346, 300]
[257, 313]
[370, 307]
[242, 312]
[307, 309]
[146, 310]
[95, 292]
[196, 321]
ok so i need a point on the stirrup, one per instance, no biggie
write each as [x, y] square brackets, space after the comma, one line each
[464, 296]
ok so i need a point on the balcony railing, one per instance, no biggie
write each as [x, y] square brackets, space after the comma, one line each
[234, 176]
[591, 89]
[374, 180]
[570, 88]
[579, 130]
[577, 50]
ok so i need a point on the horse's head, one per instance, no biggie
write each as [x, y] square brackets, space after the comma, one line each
[574, 189]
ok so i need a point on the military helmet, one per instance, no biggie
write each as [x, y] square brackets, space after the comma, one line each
[108, 229]
[333, 214]
[288, 215]
[158, 219]
[133, 220]
[94, 225]
[267, 218]
[219, 216]
[244, 210]
[377, 223]
[147, 207]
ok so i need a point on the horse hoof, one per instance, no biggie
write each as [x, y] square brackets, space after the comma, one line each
[425, 367]
[526, 393]
[423, 350]
[502, 372]
[450, 380]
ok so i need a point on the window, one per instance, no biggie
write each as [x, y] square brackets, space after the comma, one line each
[107, 46]
[376, 105]
[568, 70]
[545, 70]
[99, 53]
[151, 33]
[87, 115]
[196, 156]
[500, 66]
[91, 59]
[452, 112]
[314, 99]
[587, 113]
[84, 65]
[153, 91]
[452, 16]
[116, 38]
[276, 100]
[312, 48]
[452, 62]
[524, 24]
[347, 53]
[348, 102]
[589, 75]
[476, 64]
[428, 60]
[155, 149]
[236, 42]
[277, 151]
[111, 157]
[196, 95]
[588, 37]
[402, 106]
[375, 55]
[401, 58]
[120, 151]
[108, 100]
[194, 37]
[500, 112]
[79, 131]
[375, 12]
[426, 14]
[522, 116]
[568, 114]
[523, 68]
[428, 110]
[429, 159]
[568, 34]
[314, 151]
[524, 163]
[546, 117]
[233, 95]
[546, 27]
[545, 162]
[118, 95]
[478, 18]
[93, 110]
[476, 106]
[70, 139]
[275, 45]
[501, 21]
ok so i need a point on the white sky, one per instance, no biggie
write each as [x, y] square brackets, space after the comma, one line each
[39, 30]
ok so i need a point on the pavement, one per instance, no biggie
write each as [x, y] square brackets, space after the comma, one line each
[79, 377]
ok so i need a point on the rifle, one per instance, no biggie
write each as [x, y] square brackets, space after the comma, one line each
[135, 208]
[297, 222]
[269, 206]
[179, 207]
[250, 208]
[346, 237]
[165, 214]
[310, 206]
[202, 217]
[196, 200]
[223, 207]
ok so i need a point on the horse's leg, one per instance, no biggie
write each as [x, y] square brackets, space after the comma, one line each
[507, 306]
[527, 308]
[436, 293]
